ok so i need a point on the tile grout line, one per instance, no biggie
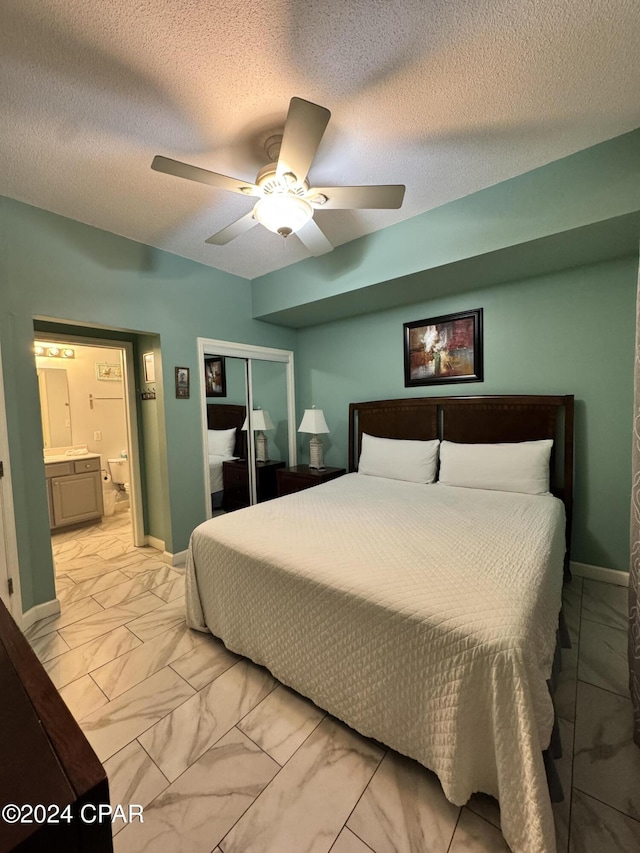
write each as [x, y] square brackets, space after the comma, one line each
[600, 687]
[139, 735]
[300, 745]
[99, 688]
[603, 624]
[262, 749]
[139, 647]
[345, 828]
[224, 734]
[169, 783]
[66, 625]
[152, 760]
[385, 752]
[128, 580]
[275, 776]
[575, 723]
[122, 624]
[608, 805]
[281, 767]
[455, 829]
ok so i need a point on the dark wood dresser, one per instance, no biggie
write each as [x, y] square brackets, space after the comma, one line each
[45, 760]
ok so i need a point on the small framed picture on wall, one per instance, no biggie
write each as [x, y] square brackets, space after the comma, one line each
[215, 381]
[182, 383]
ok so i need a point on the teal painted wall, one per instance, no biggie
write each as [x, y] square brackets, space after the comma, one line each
[269, 380]
[567, 333]
[53, 267]
[599, 183]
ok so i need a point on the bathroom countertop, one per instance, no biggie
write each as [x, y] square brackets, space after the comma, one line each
[70, 458]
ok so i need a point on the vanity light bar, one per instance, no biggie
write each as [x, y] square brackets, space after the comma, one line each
[53, 351]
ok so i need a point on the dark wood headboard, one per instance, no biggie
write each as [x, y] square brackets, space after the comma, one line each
[226, 416]
[474, 420]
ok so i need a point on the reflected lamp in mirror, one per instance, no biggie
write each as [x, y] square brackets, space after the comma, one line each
[313, 422]
[260, 422]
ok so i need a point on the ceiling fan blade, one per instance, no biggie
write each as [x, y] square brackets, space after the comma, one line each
[303, 130]
[234, 230]
[203, 176]
[350, 198]
[313, 238]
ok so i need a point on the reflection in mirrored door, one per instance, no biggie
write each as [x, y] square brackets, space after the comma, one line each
[270, 425]
[250, 430]
[226, 403]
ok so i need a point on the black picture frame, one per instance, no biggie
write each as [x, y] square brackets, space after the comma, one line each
[182, 383]
[215, 379]
[443, 350]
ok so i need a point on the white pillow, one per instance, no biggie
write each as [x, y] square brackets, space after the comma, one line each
[398, 459]
[222, 441]
[521, 466]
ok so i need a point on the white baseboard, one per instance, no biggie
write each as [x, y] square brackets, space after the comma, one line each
[154, 542]
[178, 559]
[40, 611]
[599, 573]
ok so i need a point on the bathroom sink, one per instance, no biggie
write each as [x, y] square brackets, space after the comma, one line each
[64, 458]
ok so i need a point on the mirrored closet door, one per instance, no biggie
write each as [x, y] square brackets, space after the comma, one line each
[248, 422]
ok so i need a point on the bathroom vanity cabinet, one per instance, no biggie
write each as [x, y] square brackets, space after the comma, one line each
[74, 490]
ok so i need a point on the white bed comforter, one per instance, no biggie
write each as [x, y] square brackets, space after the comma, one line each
[422, 616]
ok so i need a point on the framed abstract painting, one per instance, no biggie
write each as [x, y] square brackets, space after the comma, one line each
[444, 349]
[215, 380]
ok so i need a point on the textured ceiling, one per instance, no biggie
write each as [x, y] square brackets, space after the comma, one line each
[445, 96]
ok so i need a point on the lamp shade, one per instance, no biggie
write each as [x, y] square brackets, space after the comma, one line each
[283, 213]
[313, 422]
[261, 420]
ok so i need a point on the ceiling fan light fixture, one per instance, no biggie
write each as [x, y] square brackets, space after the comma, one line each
[283, 214]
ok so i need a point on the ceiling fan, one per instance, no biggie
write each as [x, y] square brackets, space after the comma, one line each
[286, 202]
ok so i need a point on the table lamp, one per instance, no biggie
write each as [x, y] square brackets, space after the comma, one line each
[260, 421]
[313, 422]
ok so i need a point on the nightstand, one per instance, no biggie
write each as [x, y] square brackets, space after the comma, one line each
[235, 482]
[300, 477]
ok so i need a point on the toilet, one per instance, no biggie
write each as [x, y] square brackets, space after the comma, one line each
[119, 470]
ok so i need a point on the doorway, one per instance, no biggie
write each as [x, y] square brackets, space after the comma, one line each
[9, 573]
[87, 397]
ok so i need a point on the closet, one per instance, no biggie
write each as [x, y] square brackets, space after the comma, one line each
[248, 417]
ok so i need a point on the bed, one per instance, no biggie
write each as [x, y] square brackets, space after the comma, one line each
[222, 417]
[424, 616]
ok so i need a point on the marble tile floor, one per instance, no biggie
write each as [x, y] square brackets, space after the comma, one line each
[225, 759]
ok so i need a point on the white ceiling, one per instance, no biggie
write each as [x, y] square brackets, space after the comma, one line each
[445, 96]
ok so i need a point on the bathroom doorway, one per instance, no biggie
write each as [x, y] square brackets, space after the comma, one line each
[9, 574]
[89, 430]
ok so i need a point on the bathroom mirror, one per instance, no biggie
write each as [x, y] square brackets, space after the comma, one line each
[54, 406]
